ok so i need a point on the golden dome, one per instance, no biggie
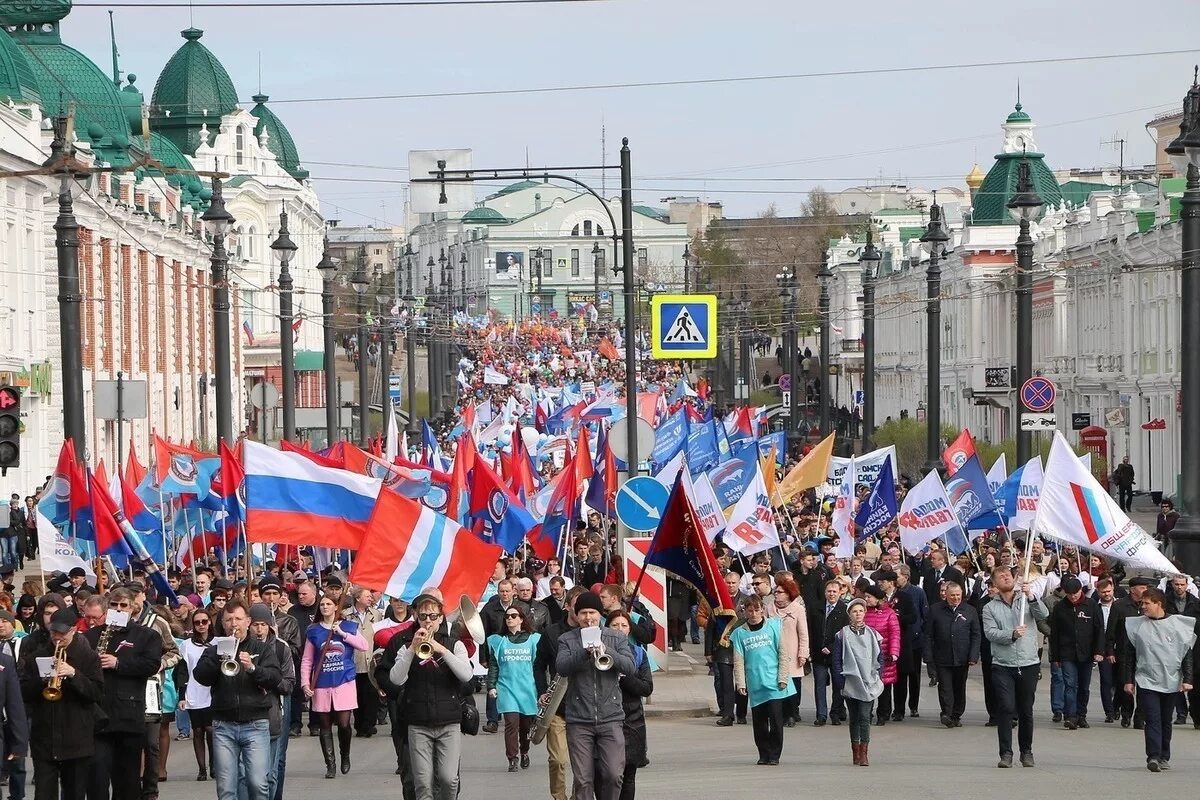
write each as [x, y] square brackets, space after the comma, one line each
[975, 178]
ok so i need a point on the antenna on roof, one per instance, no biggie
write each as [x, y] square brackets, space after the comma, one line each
[112, 32]
[260, 71]
[1120, 144]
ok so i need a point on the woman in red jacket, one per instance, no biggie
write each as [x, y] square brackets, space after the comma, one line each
[883, 620]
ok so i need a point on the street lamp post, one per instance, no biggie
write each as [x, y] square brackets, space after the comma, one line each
[385, 300]
[935, 240]
[217, 221]
[869, 259]
[447, 383]
[747, 375]
[823, 277]
[687, 269]
[462, 276]
[1025, 206]
[284, 248]
[1185, 157]
[328, 269]
[430, 346]
[410, 342]
[596, 251]
[361, 283]
[787, 283]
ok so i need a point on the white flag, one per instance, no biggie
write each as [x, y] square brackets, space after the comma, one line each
[842, 519]
[1029, 493]
[704, 502]
[927, 514]
[751, 527]
[997, 474]
[866, 466]
[1086, 460]
[1075, 509]
[493, 376]
[391, 447]
[56, 552]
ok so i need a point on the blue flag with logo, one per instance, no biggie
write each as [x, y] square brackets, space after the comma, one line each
[731, 479]
[971, 497]
[879, 507]
[701, 447]
[778, 440]
[1006, 494]
[671, 437]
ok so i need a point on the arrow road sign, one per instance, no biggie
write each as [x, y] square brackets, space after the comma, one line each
[641, 502]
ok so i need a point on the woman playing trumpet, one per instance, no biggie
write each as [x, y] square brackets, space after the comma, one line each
[328, 672]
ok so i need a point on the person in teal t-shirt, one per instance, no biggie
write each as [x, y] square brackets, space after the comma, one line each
[761, 670]
[510, 681]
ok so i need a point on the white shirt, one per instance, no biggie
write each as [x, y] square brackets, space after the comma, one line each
[197, 695]
[543, 586]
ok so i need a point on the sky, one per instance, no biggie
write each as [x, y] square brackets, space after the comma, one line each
[719, 141]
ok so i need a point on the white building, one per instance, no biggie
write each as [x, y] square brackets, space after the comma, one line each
[1106, 311]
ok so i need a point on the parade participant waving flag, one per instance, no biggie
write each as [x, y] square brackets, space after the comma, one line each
[602, 489]
[958, 451]
[679, 546]
[927, 514]
[494, 506]
[1075, 509]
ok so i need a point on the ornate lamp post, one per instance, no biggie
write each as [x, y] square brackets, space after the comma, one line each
[217, 221]
[823, 278]
[1025, 206]
[410, 341]
[328, 269]
[361, 283]
[934, 241]
[284, 248]
[870, 260]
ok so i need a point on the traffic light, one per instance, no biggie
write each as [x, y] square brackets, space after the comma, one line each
[10, 427]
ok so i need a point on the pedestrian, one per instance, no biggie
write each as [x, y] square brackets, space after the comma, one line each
[510, 682]
[1123, 479]
[952, 646]
[762, 672]
[858, 662]
[1009, 623]
[195, 697]
[366, 614]
[1158, 666]
[1165, 523]
[912, 608]
[1076, 644]
[832, 619]
[793, 618]
[329, 674]
[635, 688]
[718, 652]
[262, 627]
[883, 619]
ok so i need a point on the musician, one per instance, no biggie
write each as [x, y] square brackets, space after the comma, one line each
[241, 705]
[328, 673]
[545, 670]
[262, 627]
[432, 701]
[61, 736]
[129, 655]
[388, 641]
[592, 705]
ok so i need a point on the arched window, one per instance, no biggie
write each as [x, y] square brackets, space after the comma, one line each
[239, 248]
[252, 243]
[575, 231]
[587, 227]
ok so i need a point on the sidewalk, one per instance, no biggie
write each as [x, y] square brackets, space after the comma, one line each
[682, 686]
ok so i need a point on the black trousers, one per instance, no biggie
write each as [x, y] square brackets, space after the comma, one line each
[152, 760]
[1158, 707]
[1015, 690]
[740, 704]
[767, 720]
[71, 777]
[117, 764]
[1125, 497]
[366, 716]
[723, 686]
[989, 689]
[952, 690]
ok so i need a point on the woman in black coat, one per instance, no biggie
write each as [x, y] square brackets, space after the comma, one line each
[634, 688]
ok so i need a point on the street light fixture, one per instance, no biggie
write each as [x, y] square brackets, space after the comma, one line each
[361, 283]
[217, 221]
[410, 341]
[870, 260]
[1025, 206]
[462, 274]
[328, 268]
[934, 242]
[787, 291]
[596, 254]
[284, 248]
[384, 298]
[687, 269]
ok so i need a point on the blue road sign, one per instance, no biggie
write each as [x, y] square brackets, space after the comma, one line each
[641, 502]
[1037, 394]
[683, 326]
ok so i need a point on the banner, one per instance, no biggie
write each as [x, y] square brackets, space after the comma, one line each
[842, 519]
[997, 474]
[1029, 492]
[879, 507]
[704, 503]
[866, 467]
[927, 514]
[1075, 509]
[732, 479]
[670, 438]
[701, 446]
[56, 552]
[751, 527]
[972, 499]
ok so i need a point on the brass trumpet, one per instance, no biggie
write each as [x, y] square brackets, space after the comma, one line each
[424, 651]
[230, 666]
[602, 661]
[53, 691]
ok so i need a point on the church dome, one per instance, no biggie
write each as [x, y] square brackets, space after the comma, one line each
[194, 89]
[279, 139]
[974, 178]
[485, 215]
[1018, 115]
[17, 81]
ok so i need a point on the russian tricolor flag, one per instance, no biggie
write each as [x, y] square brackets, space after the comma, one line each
[292, 500]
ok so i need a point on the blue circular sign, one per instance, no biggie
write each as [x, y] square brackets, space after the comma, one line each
[1037, 394]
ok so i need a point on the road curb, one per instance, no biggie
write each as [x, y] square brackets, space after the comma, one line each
[672, 711]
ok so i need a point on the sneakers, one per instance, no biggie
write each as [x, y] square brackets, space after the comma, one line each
[1027, 760]
[1109, 718]
[1180, 719]
[1153, 765]
[1082, 722]
[183, 737]
[1070, 724]
[524, 760]
[1058, 717]
[1125, 721]
[725, 722]
[490, 727]
[947, 721]
[1164, 764]
[512, 765]
[1005, 761]
[819, 722]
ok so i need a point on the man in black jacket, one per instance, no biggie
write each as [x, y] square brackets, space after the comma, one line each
[1115, 646]
[556, 602]
[952, 646]
[545, 669]
[1180, 601]
[241, 705]
[62, 732]
[831, 618]
[401, 636]
[262, 627]
[132, 654]
[304, 611]
[1076, 644]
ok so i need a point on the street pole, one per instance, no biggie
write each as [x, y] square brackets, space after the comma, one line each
[687, 268]
[935, 240]
[70, 329]
[1024, 207]
[218, 220]
[1185, 156]
[870, 270]
[361, 283]
[631, 328]
[120, 419]
[385, 360]
[284, 248]
[799, 383]
[410, 346]
[596, 278]
[823, 277]
[328, 270]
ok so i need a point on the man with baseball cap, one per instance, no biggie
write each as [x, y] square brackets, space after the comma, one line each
[1076, 646]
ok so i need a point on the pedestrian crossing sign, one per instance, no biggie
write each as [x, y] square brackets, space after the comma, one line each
[683, 325]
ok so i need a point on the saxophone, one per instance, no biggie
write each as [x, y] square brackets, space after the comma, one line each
[102, 643]
[555, 694]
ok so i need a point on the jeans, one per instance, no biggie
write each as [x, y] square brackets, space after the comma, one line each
[723, 685]
[8, 550]
[16, 779]
[768, 729]
[860, 719]
[183, 723]
[277, 764]
[1056, 689]
[1015, 690]
[1158, 708]
[493, 715]
[694, 624]
[1077, 689]
[820, 679]
[597, 758]
[1107, 687]
[434, 752]
[241, 752]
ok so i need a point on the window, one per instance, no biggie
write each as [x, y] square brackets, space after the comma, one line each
[599, 231]
[252, 244]
[378, 251]
[575, 231]
[600, 260]
[587, 227]
[643, 258]
[239, 247]
[574, 263]
[547, 262]
[239, 145]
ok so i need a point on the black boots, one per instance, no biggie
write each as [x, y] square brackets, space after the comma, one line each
[327, 751]
[344, 747]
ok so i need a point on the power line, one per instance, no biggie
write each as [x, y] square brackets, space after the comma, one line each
[335, 4]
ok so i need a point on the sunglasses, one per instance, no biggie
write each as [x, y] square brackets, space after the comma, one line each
[121, 605]
[512, 616]
[200, 622]
[429, 616]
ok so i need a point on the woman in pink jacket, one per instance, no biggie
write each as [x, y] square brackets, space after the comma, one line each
[883, 620]
[794, 619]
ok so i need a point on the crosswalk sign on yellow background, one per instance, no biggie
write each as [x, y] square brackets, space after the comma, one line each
[683, 326]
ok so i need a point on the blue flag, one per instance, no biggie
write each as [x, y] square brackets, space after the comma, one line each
[879, 507]
[971, 497]
[671, 437]
[701, 447]
[1006, 495]
[778, 440]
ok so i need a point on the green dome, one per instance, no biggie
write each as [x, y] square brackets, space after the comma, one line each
[166, 153]
[279, 139]
[991, 204]
[485, 215]
[17, 81]
[516, 187]
[194, 89]
[131, 104]
[1018, 115]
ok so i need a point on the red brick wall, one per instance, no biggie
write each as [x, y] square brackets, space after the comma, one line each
[124, 292]
[144, 299]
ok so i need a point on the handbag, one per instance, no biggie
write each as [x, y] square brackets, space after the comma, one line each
[470, 718]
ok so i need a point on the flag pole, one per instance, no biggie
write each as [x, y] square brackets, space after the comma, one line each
[1028, 565]
[187, 526]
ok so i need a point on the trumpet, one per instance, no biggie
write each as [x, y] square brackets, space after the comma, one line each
[53, 691]
[230, 666]
[424, 651]
[601, 660]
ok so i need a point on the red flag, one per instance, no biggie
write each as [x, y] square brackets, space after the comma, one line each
[102, 473]
[521, 479]
[109, 539]
[539, 418]
[606, 349]
[134, 471]
[457, 504]
[680, 547]
[163, 450]
[957, 453]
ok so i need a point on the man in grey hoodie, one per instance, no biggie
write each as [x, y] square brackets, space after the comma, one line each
[1009, 624]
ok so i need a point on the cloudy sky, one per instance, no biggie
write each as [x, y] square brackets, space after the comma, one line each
[717, 140]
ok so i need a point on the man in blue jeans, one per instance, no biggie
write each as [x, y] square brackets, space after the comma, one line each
[241, 705]
[1076, 645]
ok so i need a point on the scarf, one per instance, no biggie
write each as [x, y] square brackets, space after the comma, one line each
[860, 663]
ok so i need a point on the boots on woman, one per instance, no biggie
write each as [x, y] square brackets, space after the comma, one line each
[327, 751]
[344, 747]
